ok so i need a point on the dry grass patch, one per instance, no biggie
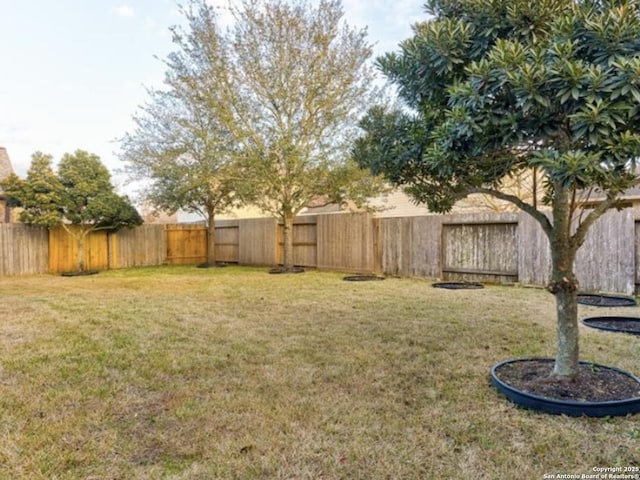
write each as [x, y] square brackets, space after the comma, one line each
[232, 373]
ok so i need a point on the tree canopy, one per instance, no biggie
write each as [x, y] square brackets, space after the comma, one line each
[290, 80]
[182, 142]
[80, 197]
[492, 88]
[263, 111]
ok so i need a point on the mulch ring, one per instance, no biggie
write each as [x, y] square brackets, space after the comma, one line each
[279, 270]
[79, 273]
[362, 278]
[614, 324]
[592, 384]
[596, 300]
[212, 265]
[458, 285]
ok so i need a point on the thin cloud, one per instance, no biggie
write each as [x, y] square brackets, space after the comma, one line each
[124, 11]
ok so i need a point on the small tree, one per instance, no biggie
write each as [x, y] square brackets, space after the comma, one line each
[39, 195]
[80, 197]
[495, 87]
[292, 80]
[181, 142]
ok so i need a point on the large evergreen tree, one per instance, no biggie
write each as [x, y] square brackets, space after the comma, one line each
[496, 87]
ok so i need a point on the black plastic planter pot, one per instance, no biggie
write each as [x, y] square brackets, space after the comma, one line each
[629, 325]
[565, 407]
[458, 285]
[596, 300]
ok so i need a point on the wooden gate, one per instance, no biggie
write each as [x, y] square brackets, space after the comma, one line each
[485, 252]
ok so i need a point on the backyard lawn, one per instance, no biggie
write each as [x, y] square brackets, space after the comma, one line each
[232, 373]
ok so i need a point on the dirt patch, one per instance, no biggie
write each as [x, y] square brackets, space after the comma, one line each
[592, 384]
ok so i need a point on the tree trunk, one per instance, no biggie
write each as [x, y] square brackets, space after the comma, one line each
[568, 349]
[287, 241]
[80, 262]
[564, 285]
[211, 238]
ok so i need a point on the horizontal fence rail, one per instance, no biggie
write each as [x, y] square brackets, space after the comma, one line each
[500, 248]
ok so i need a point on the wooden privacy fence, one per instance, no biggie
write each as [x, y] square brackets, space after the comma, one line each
[502, 248]
[23, 250]
[469, 250]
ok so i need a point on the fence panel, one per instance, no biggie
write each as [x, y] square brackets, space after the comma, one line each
[486, 250]
[346, 242]
[227, 241]
[63, 251]
[606, 260]
[138, 247]
[534, 252]
[305, 241]
[257, 239]
[23, 250]
[637, 256]
[410, 246]
[186, 244]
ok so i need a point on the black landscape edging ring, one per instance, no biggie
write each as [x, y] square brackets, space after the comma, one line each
[279, 270]
[565, 407]
[362, 278]
[588, 322]
[83, 273]
[458, 285]
[598, 300]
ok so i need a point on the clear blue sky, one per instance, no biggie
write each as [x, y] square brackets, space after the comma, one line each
[73, 72]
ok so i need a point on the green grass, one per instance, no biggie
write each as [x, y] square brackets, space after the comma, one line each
[186, 373]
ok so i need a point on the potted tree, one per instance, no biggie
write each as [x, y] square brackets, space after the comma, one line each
[495, 88]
